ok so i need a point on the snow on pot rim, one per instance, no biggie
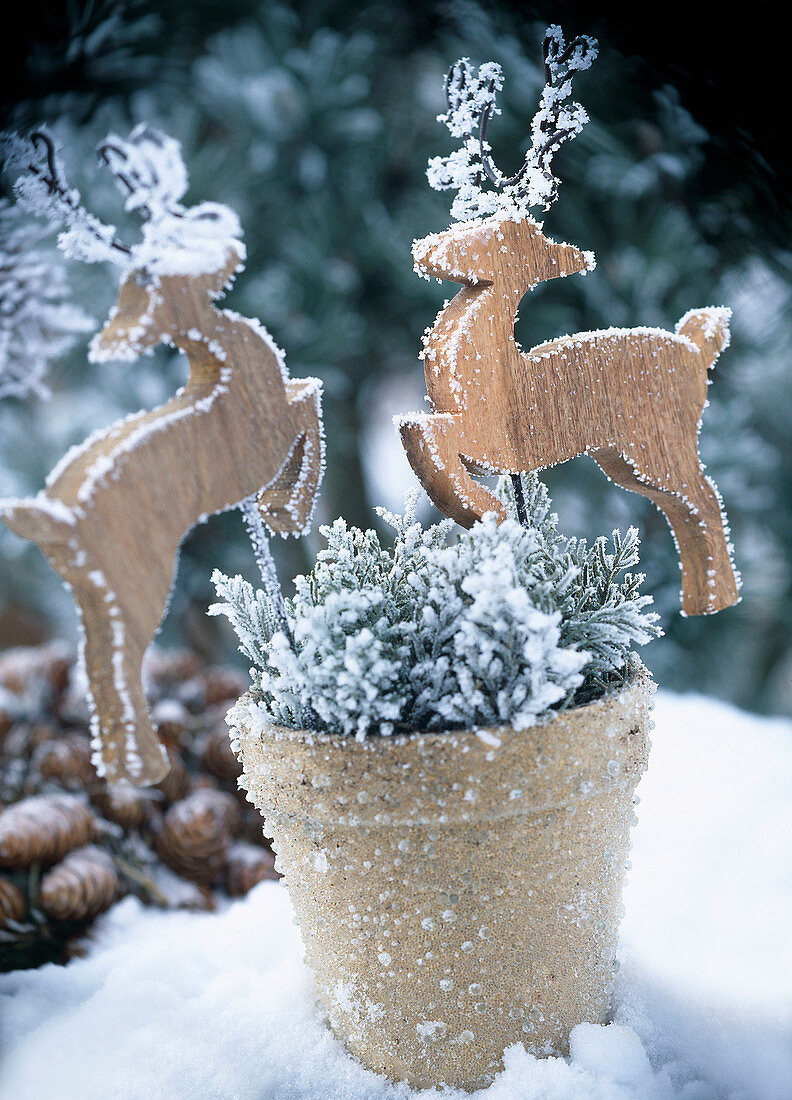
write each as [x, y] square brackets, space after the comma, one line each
[422, 777]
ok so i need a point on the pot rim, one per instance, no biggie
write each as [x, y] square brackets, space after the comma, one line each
[423, 778]
[638, 677]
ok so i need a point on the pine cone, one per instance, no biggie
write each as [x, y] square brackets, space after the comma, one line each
[171, 720]
[252, 823]
[178, 893]
[196, 835]
[12, 903]
[248, 864]
[66, 761]
[176, 783]
[72, 707]
[127, 806]
[192, 694]
[83, 884]
[24, 665]
[43, 829]
[227, 807]
[25, 737]
[216, 754]
[165, 667]
[222, 683]
[6, 718]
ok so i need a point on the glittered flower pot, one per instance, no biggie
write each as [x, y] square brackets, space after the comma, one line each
[456, 892]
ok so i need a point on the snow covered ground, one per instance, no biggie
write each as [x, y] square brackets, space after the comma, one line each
[175, 1006]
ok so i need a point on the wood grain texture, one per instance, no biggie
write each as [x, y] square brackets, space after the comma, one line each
[115, 510]
[630, 398]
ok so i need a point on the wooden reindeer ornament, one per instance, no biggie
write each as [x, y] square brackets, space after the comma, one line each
[115, 510]
[630, 398]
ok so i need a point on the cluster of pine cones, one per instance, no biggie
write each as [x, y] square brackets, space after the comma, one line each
[71, 846]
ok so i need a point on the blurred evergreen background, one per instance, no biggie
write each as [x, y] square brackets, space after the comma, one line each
[315, 121]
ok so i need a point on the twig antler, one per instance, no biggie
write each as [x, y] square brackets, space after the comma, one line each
[43, 189]
[471, 102]
[555, 122]
[114, 156]
[148, 166]
[149, 169]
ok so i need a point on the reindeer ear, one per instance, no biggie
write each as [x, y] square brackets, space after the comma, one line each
[221, 280]
[461, 254]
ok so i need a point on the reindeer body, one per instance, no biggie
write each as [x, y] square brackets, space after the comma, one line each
[115, 510]
[631, 398]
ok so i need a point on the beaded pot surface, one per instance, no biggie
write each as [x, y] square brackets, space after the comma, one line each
[457, 892]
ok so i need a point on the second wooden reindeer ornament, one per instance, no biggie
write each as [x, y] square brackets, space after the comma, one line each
[116, 508]
[630, 398]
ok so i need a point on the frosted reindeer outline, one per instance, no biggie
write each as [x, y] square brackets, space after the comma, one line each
[115, 509]
[632, 399]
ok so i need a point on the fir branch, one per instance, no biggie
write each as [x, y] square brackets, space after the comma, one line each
[259, 539]
[38, 322]
[249, 612]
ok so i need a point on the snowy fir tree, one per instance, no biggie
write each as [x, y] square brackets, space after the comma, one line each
[316, 126]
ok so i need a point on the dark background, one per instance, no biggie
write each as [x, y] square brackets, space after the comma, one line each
[731, 71]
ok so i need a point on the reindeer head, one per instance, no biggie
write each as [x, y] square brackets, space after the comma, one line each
[153, 308]
[493, 250]
[186, 255]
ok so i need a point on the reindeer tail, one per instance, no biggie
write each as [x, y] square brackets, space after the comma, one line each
[40, 519]
[708, 329]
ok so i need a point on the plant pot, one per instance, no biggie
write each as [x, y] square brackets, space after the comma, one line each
[457, 892]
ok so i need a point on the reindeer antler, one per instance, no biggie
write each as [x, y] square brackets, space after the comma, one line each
[148, 165]
[43, 190]
[471, 102]
[149, 168]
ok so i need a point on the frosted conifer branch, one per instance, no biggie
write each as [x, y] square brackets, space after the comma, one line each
[471, 99]
[249, 612]
[37, 321]
[503, 625]
[42, 189]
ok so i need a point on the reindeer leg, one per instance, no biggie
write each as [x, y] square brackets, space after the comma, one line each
[124, 742]
[433, 446]
[696, 517]
[287, 503]
[125, 746]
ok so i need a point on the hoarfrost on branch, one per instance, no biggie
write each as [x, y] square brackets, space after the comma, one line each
[38, 323]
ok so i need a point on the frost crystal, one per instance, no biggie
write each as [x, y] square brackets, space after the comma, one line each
[471, 98]
[500, 626]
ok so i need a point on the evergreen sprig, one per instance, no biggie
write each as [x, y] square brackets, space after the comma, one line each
[502, 625]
